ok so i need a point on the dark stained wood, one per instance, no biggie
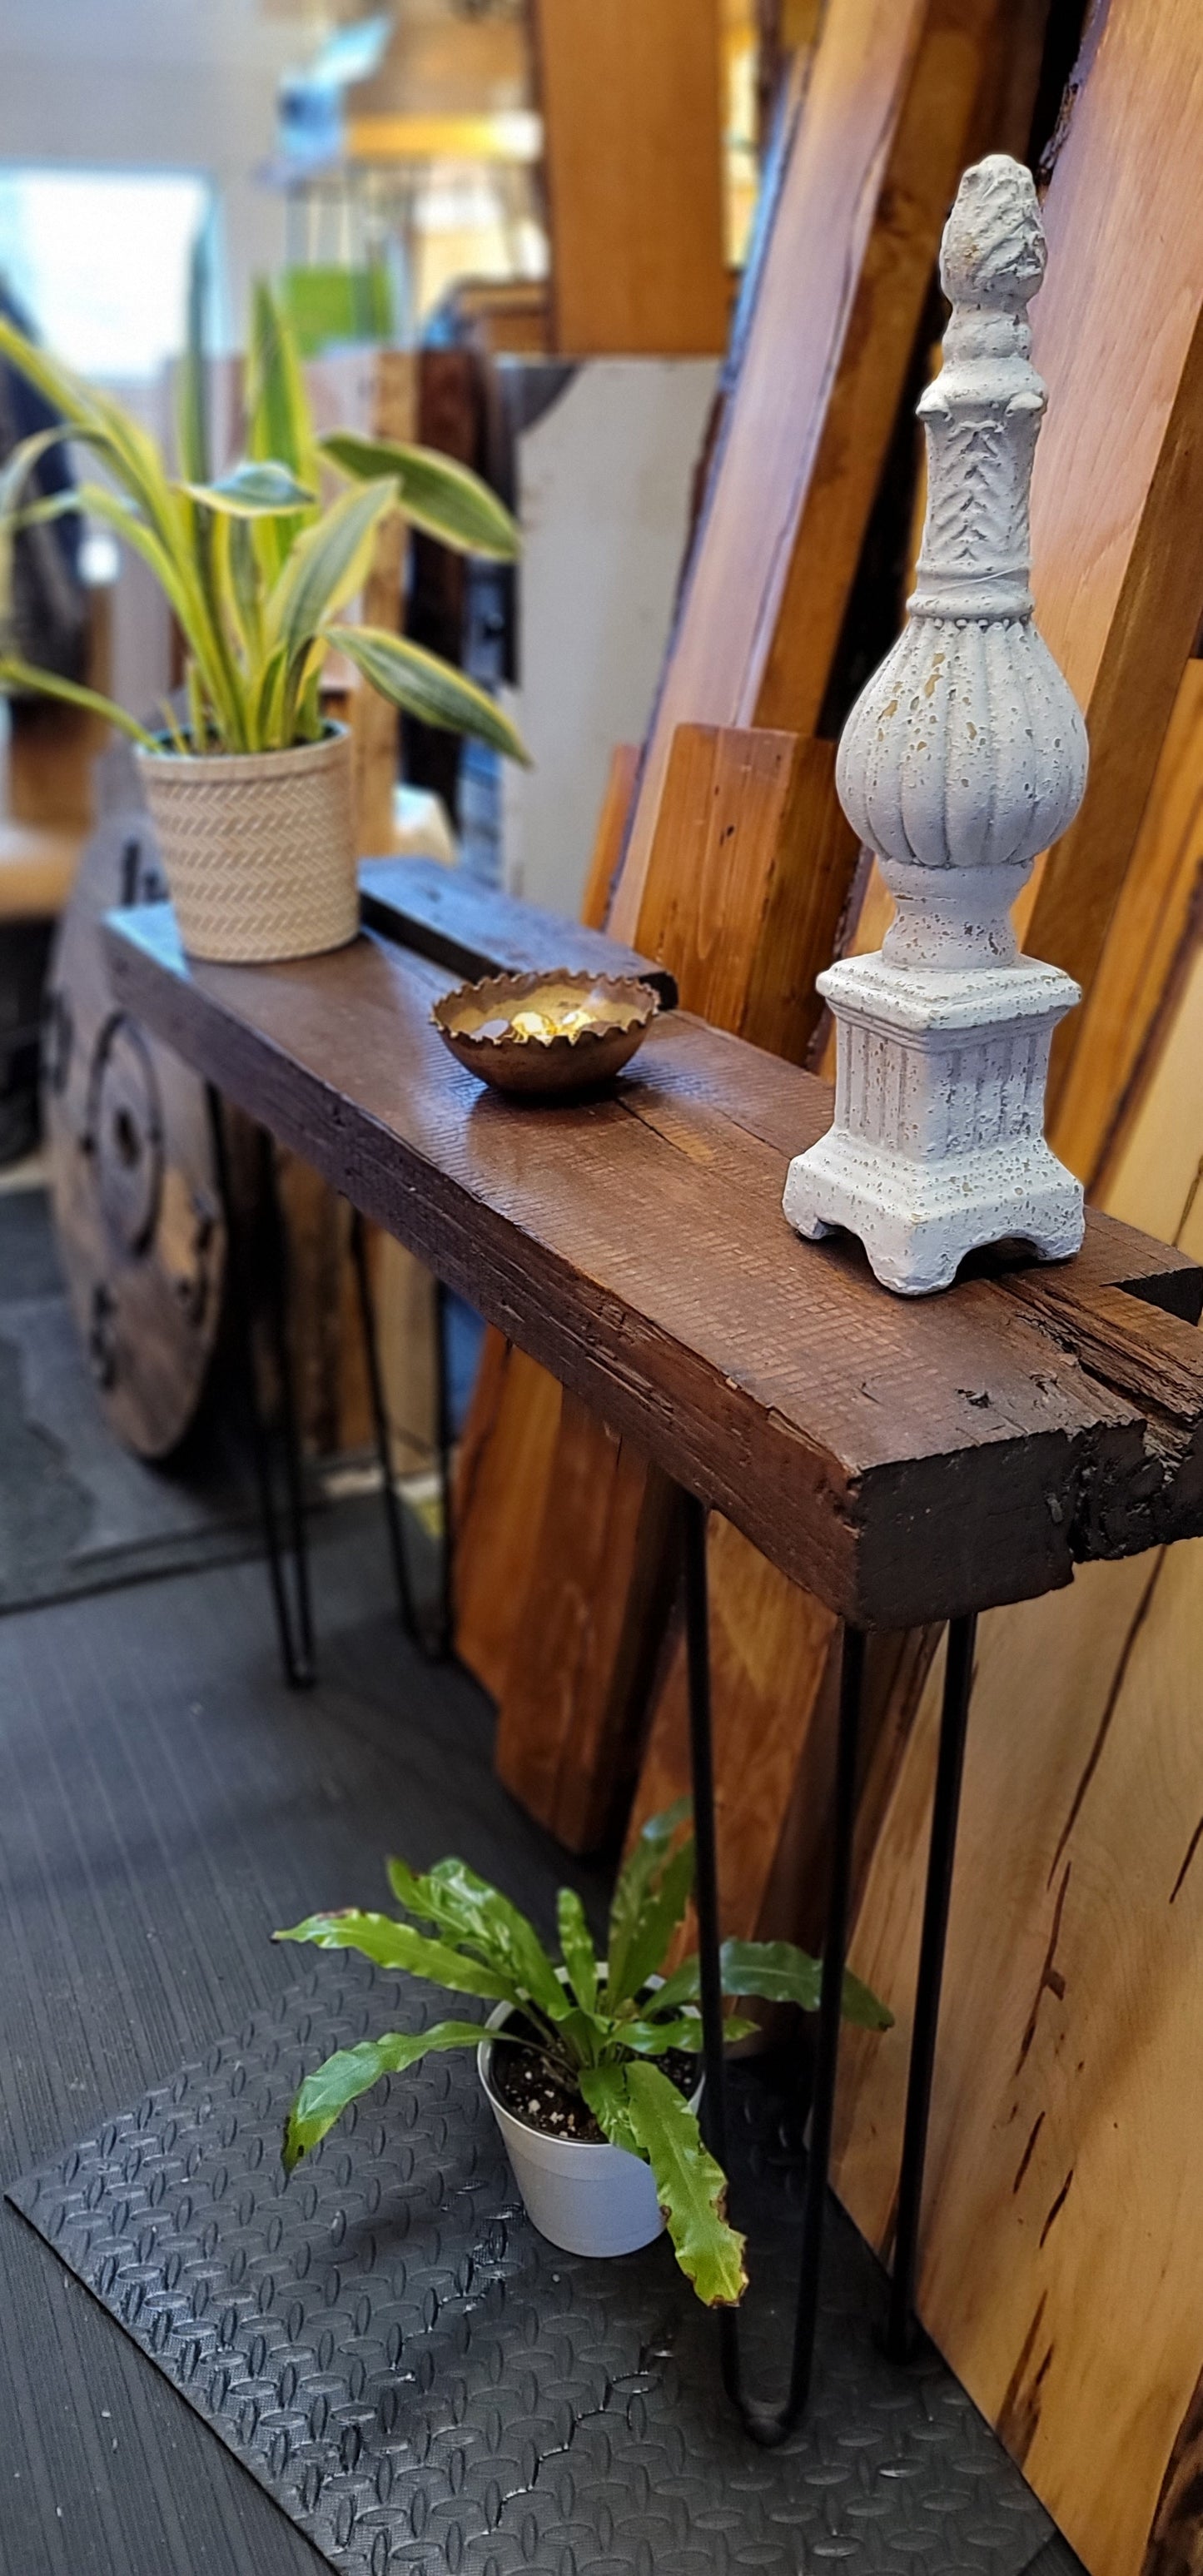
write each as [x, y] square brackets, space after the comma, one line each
[136, 1210]
[447, 915]
[598, 1590]
[907, 1460]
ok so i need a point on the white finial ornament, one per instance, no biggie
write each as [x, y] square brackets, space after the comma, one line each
[961, 760]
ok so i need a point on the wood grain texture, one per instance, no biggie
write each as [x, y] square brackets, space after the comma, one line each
[631, 97]
[438, 912]
[748, 875]
[1063, 2240]
[1145, 937]
[905, 1460]
[502, 1477]
[1117, 493]
[508, 1447]
[869, 169]
[597, 1593]
[867, 156]
[745, 882]
[610, 833]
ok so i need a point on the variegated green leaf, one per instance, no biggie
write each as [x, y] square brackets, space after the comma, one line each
[191, 403]
[23, 461]
[427, 687]
[15, 674]
[279, 421]
[253, 491]
[325, 565]
[444, 499]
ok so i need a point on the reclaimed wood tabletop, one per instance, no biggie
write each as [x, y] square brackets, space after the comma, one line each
[907, 1460]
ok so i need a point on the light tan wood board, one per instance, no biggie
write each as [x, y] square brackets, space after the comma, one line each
[879, 133]
[1063, 2240]
[1117, 494]
[632, 103]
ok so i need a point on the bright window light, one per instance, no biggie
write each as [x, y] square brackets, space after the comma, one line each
[99, 260]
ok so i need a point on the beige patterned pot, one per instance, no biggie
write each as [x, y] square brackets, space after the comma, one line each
[259, 848]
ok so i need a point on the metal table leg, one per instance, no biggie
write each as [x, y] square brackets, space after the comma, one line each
[767, 2425]
[392, 1507]
[291, 1605]
[958, 1682]
[438, 1645]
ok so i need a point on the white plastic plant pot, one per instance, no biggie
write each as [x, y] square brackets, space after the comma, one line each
[586, 2199]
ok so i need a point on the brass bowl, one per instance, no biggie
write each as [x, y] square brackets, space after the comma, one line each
[611, 1014]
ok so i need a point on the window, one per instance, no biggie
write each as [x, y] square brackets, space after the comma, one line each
[99, 260]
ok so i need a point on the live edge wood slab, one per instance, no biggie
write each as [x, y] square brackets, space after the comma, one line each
[905, 1460]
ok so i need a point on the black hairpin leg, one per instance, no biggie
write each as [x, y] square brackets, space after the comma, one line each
[291, 1604]
[438, 1645]
[769, 2425]
[958, 1682]
[445, 1632]
[392, 1507]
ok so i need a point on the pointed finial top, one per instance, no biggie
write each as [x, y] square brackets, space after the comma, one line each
[993, 251]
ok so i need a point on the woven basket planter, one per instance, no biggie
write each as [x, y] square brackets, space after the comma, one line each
[259, 848]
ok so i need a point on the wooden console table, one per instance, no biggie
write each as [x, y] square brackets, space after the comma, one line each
[909, 1462]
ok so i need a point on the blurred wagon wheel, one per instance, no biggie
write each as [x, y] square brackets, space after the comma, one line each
[136, 1206]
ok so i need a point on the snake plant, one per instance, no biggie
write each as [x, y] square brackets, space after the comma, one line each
[599, 2026]
[257, 563]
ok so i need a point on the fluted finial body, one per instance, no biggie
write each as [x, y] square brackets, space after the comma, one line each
[966, 751]
[961, 760]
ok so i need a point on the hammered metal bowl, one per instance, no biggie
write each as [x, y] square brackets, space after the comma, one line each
[610, 1016]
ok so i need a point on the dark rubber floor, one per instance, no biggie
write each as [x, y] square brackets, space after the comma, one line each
[163, 1803]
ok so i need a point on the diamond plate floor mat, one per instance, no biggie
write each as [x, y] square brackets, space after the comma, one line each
[422, 2384]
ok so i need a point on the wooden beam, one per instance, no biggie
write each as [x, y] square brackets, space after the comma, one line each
[876, 143]
[632, 104]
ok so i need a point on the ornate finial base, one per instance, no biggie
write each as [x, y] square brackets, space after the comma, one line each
[937, 1146]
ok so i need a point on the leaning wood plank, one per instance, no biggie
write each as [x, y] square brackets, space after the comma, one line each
[508, 1449]
[822, 342]
[447, 915]
[505, 1459]
[613, 817]
[631, 96]
[594, 1604]
[1117, 492]
[1116, 495]
[872, 163]
[729, 904]
[1147, 927]
[1064, 2232]
[909, 1457]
